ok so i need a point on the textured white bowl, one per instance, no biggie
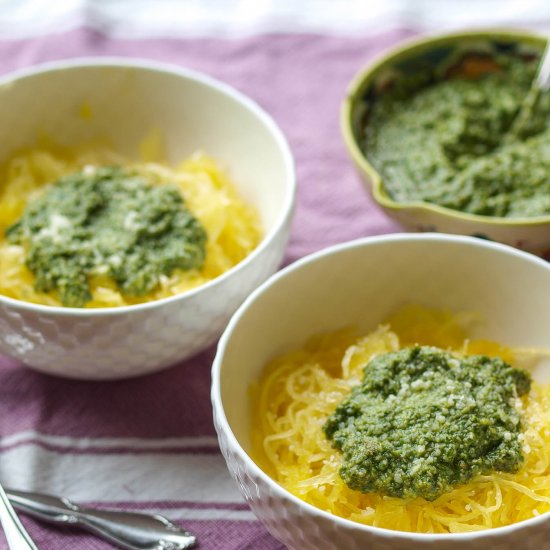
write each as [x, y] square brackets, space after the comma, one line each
[128, 99]
[360, 283]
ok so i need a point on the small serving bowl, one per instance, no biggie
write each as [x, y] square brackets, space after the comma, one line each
[528, 233]
[119, 102]
[359, 284]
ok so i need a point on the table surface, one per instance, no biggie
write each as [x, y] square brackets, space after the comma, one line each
[149, 443]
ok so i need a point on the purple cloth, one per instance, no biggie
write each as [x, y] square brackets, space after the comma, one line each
[301, 80]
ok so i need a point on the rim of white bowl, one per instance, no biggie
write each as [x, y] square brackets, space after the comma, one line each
[281, 221]
[278, 489]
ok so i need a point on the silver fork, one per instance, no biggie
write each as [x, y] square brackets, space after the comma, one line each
[16, 535]
[131, 530]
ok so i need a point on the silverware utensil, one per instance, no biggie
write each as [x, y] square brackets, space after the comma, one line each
[131, 530]
[542, 80]
[541, 84]
[16, 535]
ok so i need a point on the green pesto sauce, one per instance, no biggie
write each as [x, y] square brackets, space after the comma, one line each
[424, 420]
[454, 143]
[110, 221]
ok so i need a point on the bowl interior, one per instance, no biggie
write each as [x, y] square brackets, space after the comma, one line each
[361, 283]
[424, 61]
[119, 104]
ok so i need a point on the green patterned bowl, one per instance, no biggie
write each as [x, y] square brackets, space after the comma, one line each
[435, 53]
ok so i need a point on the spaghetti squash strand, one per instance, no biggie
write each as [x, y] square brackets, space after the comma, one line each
[299, 391]
[233, 227]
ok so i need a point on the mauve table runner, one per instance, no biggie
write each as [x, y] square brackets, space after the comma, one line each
[149, 443]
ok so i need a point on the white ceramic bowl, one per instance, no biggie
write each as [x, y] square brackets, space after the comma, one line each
[128, 99]
[360, 283]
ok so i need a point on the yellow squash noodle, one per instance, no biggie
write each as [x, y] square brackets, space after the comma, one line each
[233, 227]
[298, 391]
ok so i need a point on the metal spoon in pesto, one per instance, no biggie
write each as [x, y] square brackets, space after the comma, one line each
[541, 84]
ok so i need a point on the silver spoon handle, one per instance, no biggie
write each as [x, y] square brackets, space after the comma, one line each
[540, 85]
[134, 531]
[17, 537]
[543, 72]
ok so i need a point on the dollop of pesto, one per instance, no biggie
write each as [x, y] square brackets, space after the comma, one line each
[456, 142]
[111, 221]
[424, 420]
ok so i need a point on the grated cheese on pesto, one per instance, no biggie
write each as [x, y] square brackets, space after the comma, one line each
[424, 420]
[107, 220]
